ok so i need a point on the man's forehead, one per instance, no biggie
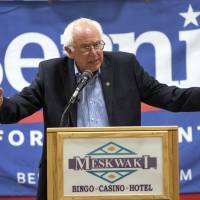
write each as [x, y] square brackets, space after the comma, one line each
[87, 39]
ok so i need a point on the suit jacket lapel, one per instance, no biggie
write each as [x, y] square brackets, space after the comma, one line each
[106, 77]
[69, 82]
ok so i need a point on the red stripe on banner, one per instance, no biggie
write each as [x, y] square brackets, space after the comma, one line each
[146, 108]
[194, 196]
[36, 117]
[17, 198]
[190, 196]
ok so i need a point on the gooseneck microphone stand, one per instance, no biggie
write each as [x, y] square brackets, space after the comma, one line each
[85, 77]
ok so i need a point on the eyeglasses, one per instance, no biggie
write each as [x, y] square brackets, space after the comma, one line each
[86, 48]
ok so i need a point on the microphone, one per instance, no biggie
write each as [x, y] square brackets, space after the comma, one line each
[85, 77]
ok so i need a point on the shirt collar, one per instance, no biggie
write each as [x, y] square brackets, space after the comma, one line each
[78, 73]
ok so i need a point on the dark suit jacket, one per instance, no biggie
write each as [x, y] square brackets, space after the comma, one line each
[129, 85]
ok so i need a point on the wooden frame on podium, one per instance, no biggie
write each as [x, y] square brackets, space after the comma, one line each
[113, 163]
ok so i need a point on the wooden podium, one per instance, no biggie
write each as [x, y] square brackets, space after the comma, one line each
[128, 163]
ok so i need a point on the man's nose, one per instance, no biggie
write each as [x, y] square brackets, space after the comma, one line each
[93, 50]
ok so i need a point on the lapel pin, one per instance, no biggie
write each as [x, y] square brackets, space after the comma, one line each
[107, 83]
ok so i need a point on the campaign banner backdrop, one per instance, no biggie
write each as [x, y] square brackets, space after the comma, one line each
[165, 37]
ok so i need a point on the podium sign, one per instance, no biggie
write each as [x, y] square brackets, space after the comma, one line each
[113, 163]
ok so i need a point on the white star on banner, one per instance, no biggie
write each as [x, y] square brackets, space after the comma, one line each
[190, 16]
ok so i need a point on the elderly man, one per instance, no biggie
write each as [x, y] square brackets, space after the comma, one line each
[111, 98]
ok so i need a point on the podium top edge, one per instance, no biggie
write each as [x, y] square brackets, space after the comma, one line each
[113, 128]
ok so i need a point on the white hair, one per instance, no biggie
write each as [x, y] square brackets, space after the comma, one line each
[68, 35]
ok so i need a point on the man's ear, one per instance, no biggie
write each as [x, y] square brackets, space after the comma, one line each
[69, 52]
